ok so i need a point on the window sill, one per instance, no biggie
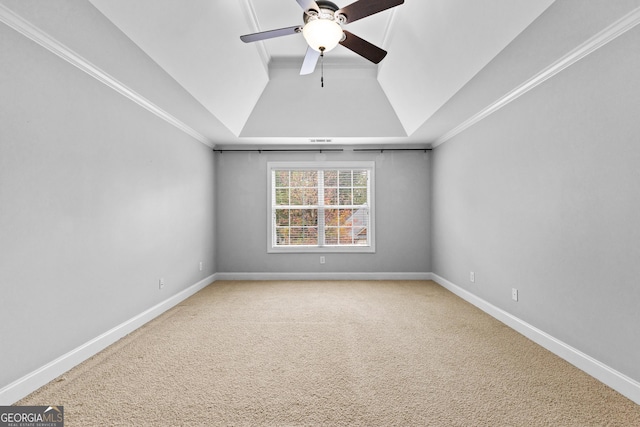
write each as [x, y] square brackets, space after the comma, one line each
[323, 249]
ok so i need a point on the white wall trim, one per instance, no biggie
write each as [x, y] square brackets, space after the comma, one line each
[386, 38]
[621, 383]
[36, 379]
[45, 40]
[610, 33]
[323, 276]
[252, 19]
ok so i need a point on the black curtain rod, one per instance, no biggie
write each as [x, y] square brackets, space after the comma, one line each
[316, 150]
[319, 150]
[392, 149]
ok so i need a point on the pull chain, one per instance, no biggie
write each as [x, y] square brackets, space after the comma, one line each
[321, 66]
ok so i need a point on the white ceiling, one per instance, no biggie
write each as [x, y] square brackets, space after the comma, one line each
[254, 90]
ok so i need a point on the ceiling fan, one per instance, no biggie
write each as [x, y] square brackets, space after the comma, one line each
[323, 31]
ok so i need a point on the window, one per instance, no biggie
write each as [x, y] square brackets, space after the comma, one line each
[321, 207]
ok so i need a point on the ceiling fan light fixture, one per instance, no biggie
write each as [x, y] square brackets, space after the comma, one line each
[322, 34]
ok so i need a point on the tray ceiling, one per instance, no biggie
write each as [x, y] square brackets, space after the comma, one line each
[254, 90]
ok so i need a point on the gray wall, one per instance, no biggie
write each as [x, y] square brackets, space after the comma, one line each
[283, 108]
[98, 199]
[402, 234]
[543, 196]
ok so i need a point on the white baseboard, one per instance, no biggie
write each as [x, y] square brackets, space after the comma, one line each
[36, 379]
[323, 276]
[621, 383]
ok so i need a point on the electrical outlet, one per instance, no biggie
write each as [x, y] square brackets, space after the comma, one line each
[322, 260]
[200, 265]
[472, 276]
[161, 283]
[514, 294]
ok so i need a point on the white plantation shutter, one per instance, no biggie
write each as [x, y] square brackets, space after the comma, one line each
[321, 207]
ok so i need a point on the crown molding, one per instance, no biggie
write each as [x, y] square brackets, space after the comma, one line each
[610, 33]
[388, 30]
[33, 33]
[252, 19]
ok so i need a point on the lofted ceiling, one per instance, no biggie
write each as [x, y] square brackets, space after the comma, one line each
[257, 96]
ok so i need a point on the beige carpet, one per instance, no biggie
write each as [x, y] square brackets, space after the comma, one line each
[383, 353]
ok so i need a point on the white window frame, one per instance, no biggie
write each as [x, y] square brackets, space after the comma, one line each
[320, 165]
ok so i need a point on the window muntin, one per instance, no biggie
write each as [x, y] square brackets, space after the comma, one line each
[321, 207]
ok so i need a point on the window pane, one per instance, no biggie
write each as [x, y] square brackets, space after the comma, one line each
[331, 236]
[304, 178]
[310, 196]
[360, 218]
[297, 196]
[346, 235]
[359, 196]
[282, 178]
[304, 196]
[296, 236]
[282, 217]
[310, 217]
[346, 196]
[360, 178]
[282, 236]
[345, 179]
[345, 216]
[331, 217]
[330, 178]
[360, 236]
[331, 196]
[282, 196]
[311, 236]
[296, 217]
[304, 236]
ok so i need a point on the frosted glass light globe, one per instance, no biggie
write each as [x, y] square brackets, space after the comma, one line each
[322, 33]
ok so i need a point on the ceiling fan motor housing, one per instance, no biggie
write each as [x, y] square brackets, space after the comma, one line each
[327, 11]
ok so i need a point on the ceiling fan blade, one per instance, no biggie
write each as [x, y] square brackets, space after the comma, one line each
[363, 48]
[363, 8]
[248, 38]
[310, 61]
[308, 4]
